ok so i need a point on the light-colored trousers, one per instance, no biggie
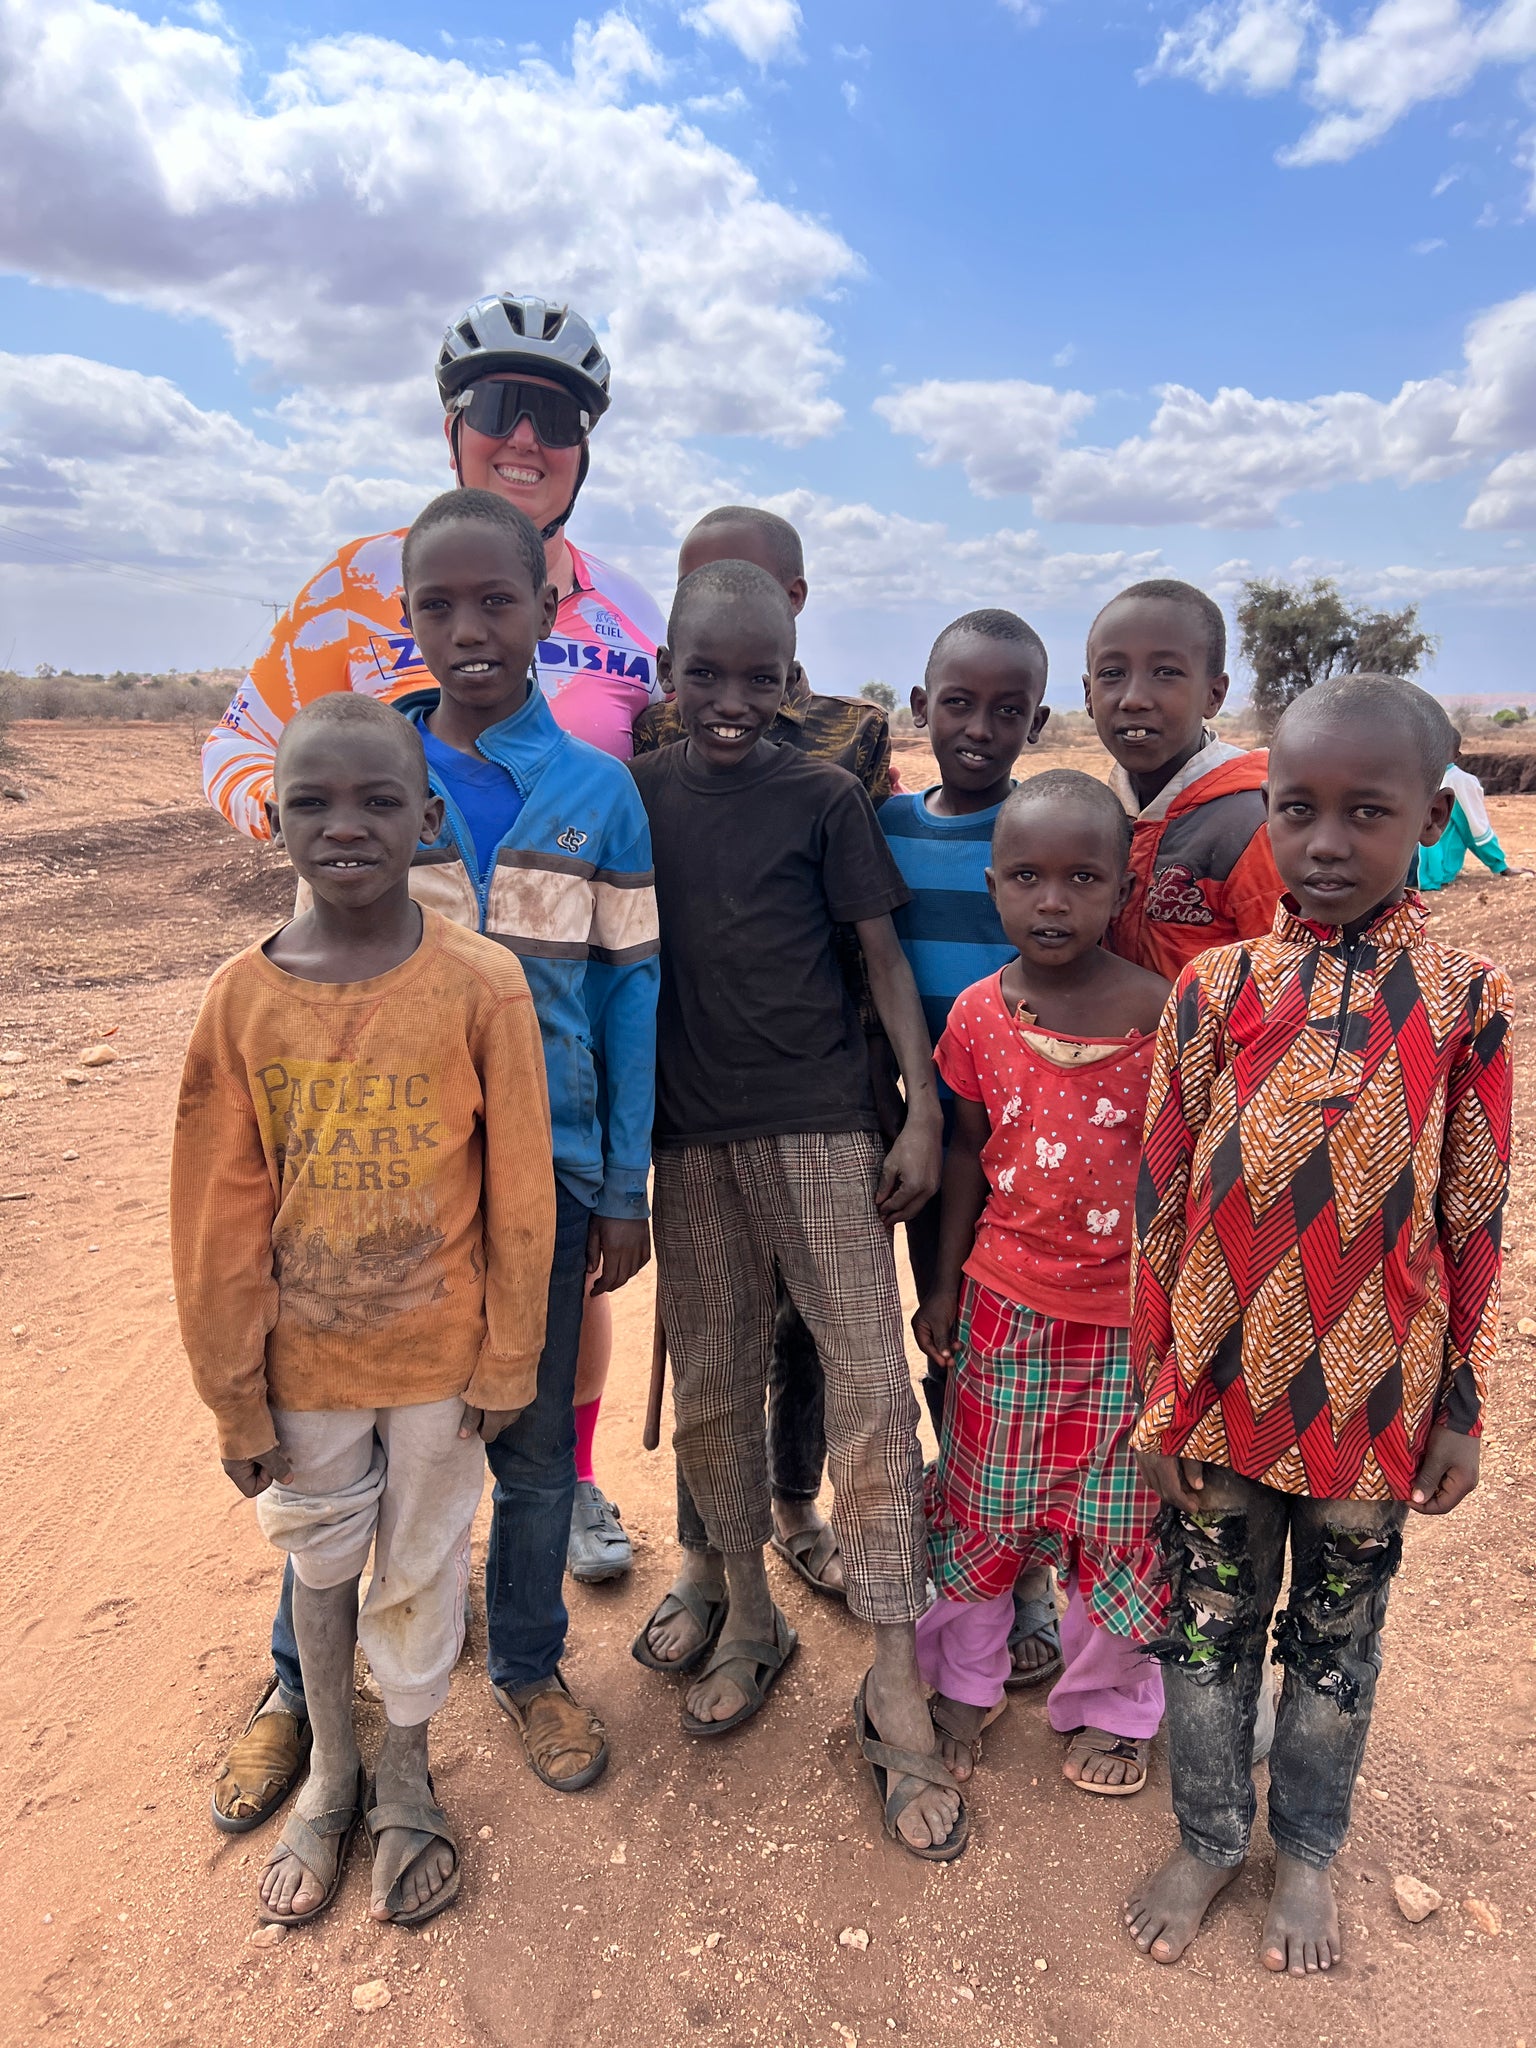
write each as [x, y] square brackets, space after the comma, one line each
[401, 1483]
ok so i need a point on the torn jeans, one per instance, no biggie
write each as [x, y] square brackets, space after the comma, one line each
[1225, 1567]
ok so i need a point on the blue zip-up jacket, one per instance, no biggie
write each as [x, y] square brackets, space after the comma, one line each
[572, 894]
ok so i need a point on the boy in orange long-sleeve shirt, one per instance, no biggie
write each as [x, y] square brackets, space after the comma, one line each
[362, 1222]
[1201, 867]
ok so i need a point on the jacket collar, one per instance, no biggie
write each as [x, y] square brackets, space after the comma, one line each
[1214, 754]
[1398, 926]
[521, 744]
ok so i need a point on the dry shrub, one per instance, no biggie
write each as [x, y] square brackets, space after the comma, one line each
[166, 700]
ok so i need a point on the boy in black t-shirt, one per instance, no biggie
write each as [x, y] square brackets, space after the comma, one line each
[768, 1154]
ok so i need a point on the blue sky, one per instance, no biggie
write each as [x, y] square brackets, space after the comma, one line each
[1003, 304]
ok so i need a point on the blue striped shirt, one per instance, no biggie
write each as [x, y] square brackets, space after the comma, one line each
[949, 931]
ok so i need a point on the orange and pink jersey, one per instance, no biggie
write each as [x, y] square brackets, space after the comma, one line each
[346, 630]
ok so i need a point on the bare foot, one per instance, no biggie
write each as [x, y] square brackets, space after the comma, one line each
[401, 1774]
[677, 1638]
[288, 1886]
[1164, 1916]
[1092, 1759]
[958, 1727]
[790, 1517]
[1301, 1928]
[900, 1714]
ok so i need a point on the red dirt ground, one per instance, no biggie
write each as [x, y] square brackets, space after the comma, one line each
[697, 1894]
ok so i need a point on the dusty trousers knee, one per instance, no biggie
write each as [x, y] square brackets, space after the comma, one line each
[1225, 1565]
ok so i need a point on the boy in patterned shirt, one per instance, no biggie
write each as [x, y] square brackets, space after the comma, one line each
[1316, 1296]
[1048, 1059]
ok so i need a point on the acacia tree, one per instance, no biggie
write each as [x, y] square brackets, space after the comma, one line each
[1297, 635]
[879, 693]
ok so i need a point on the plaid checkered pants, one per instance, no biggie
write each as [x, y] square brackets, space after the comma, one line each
[725, 1217]
[1035, 1466]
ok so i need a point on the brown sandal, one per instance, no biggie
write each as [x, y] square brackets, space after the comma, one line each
[554, 1725]
[261, 1767]
[1088, 1743]
[808, 1552]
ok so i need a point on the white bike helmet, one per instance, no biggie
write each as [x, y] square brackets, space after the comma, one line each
[508, 331]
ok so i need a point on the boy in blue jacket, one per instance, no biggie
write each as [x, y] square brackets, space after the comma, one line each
[546, 849]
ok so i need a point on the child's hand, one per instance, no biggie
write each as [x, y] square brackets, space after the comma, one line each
[486, 1423]
[616, 1250]
[1448, 1473]
[934, 1328]
[912, 1170]
[255, 1475]
[1176, 1480]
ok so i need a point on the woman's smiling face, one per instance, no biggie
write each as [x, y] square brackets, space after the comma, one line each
[538, 480]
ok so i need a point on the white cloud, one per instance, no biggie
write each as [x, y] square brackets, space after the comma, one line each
[1235, 458]
[1005, 435]
[1255, 46]
[867, 559]
[764, 31]
[850, 94]
[1362, 79]
[304, 213]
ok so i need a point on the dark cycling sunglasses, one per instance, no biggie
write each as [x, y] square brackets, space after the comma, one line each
[557, 419]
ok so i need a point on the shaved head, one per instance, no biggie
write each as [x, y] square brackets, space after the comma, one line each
[344, 715]
[1380, 705]
[726, 583]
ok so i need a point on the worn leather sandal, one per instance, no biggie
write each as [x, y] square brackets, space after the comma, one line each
[943, 1720]
[809, 1552]
[1089, 1743]
[708, 1615]
[767, 1660]
[261, 1767]
[421, 1819]
[1034, 1621]
[317, 1843]
[554, 1725]
[887, 1762]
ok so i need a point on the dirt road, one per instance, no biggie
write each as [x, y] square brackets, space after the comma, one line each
[699, 1892]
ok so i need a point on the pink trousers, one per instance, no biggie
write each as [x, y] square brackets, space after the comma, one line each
[962, 1651]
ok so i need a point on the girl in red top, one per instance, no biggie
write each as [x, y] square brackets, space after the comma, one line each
[1050, 1061]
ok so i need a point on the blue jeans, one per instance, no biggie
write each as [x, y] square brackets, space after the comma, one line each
[533, 1463]
[1226, 1565]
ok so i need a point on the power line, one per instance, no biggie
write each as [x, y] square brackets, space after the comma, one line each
[71, 557]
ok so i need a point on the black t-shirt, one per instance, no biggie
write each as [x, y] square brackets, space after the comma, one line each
[756, 1032]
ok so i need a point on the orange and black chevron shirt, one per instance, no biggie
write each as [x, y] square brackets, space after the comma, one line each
[1316, 1271]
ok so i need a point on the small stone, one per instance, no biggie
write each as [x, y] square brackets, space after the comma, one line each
[8, 1091]
[13, 793]
[486, 1834]
[267, 1937]
[13, 1059]
[1526, 1327]
[619, 1855]
[713, 1940]
[854, 1937]
[18, 1329]
[98, 1056]
[370, 1997]
[1415, 1899]
[1041, 1963]
[73, 1078]
[69, 1155]
[1484, 1914]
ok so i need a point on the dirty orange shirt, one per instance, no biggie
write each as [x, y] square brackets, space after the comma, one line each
[1202, 873]
[362, 1199]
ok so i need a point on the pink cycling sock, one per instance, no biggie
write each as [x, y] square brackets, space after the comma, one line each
[586, 1429]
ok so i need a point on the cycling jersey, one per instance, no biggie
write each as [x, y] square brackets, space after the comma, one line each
[346, 630]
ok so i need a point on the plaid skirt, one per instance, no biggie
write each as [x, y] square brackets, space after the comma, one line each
[1035, 1466]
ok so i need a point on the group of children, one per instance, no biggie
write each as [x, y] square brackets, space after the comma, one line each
[1223, 1137]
